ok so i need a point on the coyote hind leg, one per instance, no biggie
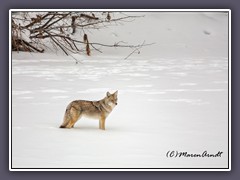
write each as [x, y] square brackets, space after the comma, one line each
[70, 118]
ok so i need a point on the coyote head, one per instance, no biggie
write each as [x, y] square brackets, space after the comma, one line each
[111, 99]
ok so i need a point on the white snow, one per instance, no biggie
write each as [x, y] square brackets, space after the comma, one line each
[172, 96]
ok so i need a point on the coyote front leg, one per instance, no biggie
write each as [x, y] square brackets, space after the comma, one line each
[102, 122]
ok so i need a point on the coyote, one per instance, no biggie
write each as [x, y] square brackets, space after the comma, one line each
[93, 109]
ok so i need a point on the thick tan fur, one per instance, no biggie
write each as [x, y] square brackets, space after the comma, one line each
[92, 109]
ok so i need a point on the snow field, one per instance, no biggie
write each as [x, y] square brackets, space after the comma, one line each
[173, 96]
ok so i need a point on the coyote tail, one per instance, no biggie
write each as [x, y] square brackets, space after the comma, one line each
[65, 119]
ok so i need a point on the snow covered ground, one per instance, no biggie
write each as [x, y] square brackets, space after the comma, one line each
[173, 96]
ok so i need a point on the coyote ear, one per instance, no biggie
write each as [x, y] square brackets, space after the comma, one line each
[108, 94]
[116, 93]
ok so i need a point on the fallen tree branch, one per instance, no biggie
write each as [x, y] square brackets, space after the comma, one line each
[60, 27]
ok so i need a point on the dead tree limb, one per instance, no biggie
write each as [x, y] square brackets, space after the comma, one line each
[60, 28]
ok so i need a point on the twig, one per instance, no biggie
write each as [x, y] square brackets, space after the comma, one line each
[34, 22]
[96, 49]
[88, 16]
[136, 49]
[43, 26]
[36, 49]
[59, 45]
[99, 44]
[107, 21]
[58, 20]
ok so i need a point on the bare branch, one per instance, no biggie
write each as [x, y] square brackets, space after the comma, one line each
[34, 22]
[136, 49]
[88, 16]
[59, 28]
[43, 26]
